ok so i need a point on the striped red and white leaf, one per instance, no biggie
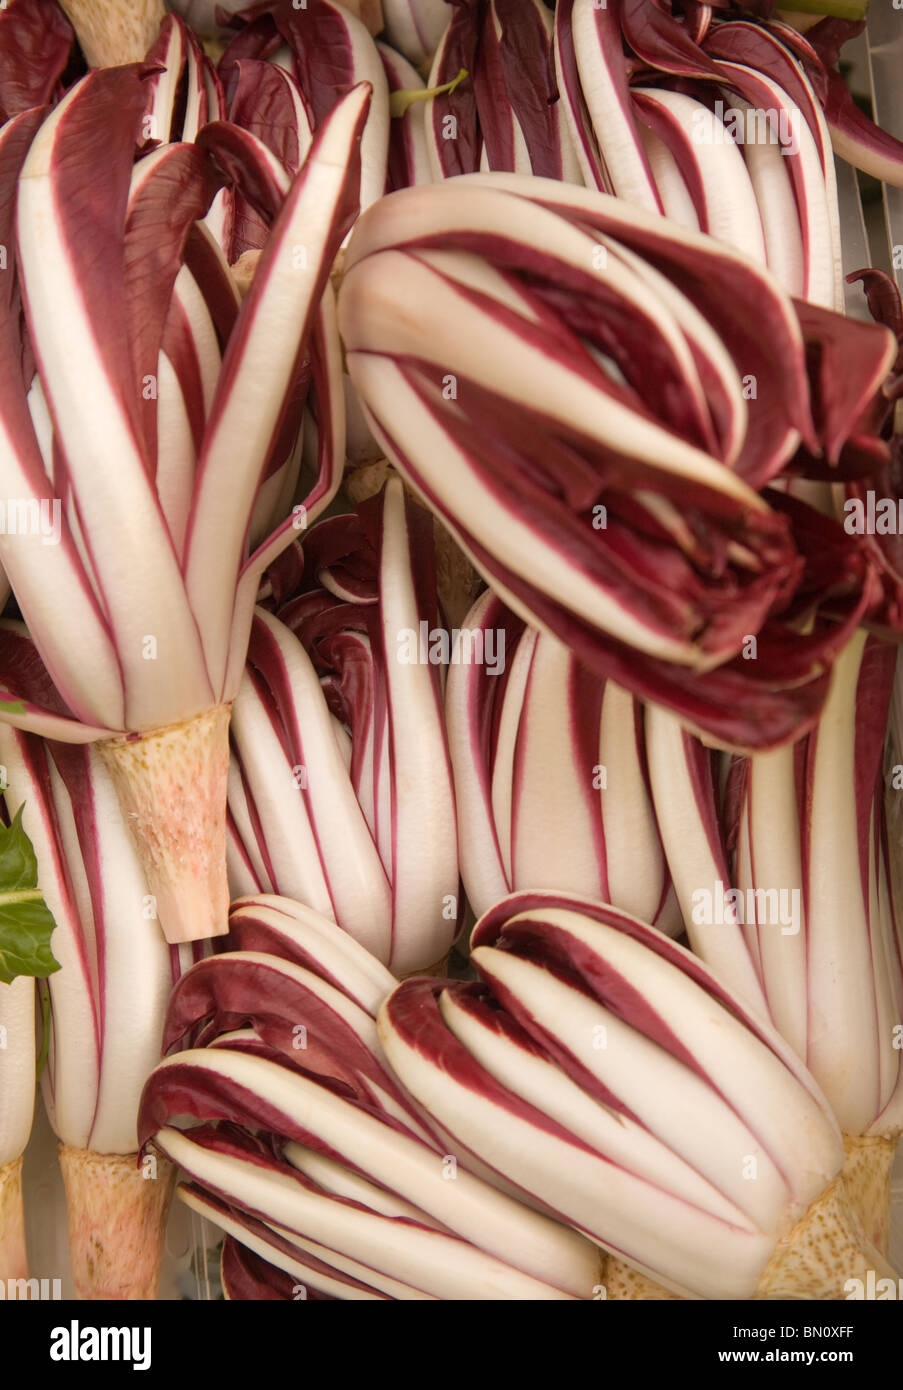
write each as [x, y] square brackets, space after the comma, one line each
[504, 114]
[344, 1197]
[360, 825]
[128, 385]
[609, 1075]
[551, 774]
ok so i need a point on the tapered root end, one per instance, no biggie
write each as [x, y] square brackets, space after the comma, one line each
[112, 32]
[822, 1253]
[171, 785]
[866, 1178]
[625, 1284]
[13, 1255]
[117, 1222]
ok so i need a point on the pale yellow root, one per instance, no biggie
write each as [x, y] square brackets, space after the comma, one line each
[117, 1222]
[821, 1253]
[171, 785]
[13, 1255]
[623, 1283]
[866, 1177]
[112, 32]
[814, 1260]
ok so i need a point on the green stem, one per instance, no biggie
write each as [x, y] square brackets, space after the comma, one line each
[831, 9]
[41, 1061]
[24, 895]
[401, 100]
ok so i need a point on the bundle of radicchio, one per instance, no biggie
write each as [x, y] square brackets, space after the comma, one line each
[103, 1024]
[341, 789]
[310, 1155]
[551, 774]
[723, 122]
[140, 408]
[607, 1075]
[504, 114]
[789, 890]
[593, 400]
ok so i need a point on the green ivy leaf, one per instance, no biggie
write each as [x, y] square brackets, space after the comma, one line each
[26, 922]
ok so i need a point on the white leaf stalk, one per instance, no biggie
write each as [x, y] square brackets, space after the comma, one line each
[415, 28]
[613, 1079]
[409, 159]
[107, 1006]
[341, 791]
[184, 94]
[801, 917]
[342, 1187]
[279, 926]
[153, 568]
[365, 65]
[17, 1090]
[551, 777]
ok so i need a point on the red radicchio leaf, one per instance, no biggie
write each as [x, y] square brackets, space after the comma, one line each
[257, 37]
[827, 38]
[94, 158]
[848, 362]
[460, 50]
[317, 36]
[525, 55]
[262, 104]
[247, 1277]
[244, 165]
[662, 42]
[176, 194]
[884, 303]
[35, 43]
[243, 989]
